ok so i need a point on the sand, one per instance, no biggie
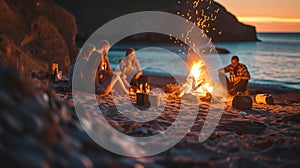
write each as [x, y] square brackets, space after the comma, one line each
[40, 128]
[268, 136]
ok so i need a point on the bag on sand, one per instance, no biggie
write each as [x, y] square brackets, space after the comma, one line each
[242, 102]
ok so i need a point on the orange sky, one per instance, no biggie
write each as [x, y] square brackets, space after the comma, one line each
[267, 15]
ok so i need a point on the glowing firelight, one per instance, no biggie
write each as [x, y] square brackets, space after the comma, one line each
[196, 83]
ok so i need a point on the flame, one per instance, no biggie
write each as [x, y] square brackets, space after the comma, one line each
[197, 83]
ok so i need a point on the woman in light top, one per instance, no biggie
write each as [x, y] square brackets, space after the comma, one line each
[130, 67]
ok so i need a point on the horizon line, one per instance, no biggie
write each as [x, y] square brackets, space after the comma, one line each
[279, 32]
[267, 19]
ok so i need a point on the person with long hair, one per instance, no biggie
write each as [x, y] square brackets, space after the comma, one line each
[105, 77]
[130, 68]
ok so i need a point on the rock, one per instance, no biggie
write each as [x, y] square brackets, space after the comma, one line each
[27, 151]
[89, 13]
[41, 33]
[6, 100]
[45, 43]
[78, 160]
[140, 131]
[11, 121]
[222, 51]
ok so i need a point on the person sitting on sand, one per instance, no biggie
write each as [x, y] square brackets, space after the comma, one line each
[239, 76]
[104, 75]
[130, 68]
[83, 58]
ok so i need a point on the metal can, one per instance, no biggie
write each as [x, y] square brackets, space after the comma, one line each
[264, 99]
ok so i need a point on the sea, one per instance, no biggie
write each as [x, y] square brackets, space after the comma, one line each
[273, 61]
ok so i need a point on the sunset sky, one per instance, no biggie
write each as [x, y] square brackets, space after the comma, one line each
[266, 15]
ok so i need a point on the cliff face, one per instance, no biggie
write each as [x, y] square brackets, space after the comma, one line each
[93, 14]
[35, 33]
[220, 25]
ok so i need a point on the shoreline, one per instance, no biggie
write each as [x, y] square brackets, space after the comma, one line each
[274, 87]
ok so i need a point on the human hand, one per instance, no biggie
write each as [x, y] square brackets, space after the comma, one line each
[236, 79]
[138, 74]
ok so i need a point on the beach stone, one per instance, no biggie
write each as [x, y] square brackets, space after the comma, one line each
[61, 161]
[43, 100]
[99, 159]
[64, 114]
[78, 160]
[36, 83]
[6, 99]
[34, 124]
[30, 106]
[140, 130]
[27, 151]
[82, 137]
[11, 121]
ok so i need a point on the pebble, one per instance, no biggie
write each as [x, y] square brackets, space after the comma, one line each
[10, 121]
[242, 113]
[6, 99]
[78, 160]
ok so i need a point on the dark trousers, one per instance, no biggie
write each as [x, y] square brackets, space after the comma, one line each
[239, 87]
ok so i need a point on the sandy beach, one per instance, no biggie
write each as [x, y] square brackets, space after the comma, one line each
[50, 134]
[268, 136]
[45, 124]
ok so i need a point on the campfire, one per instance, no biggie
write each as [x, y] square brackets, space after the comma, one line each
[197, 83]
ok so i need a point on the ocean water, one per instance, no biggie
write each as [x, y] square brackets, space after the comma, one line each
[275, 61]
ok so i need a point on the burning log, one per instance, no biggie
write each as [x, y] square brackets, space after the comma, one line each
[196, 83]
[171, 88]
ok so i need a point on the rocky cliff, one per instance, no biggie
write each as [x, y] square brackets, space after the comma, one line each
[35, 33]
[93, 14]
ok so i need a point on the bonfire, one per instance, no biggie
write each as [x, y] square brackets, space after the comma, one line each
[197, 83]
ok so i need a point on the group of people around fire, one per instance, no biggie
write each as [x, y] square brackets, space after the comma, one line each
[130, 73]
[105, 78]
